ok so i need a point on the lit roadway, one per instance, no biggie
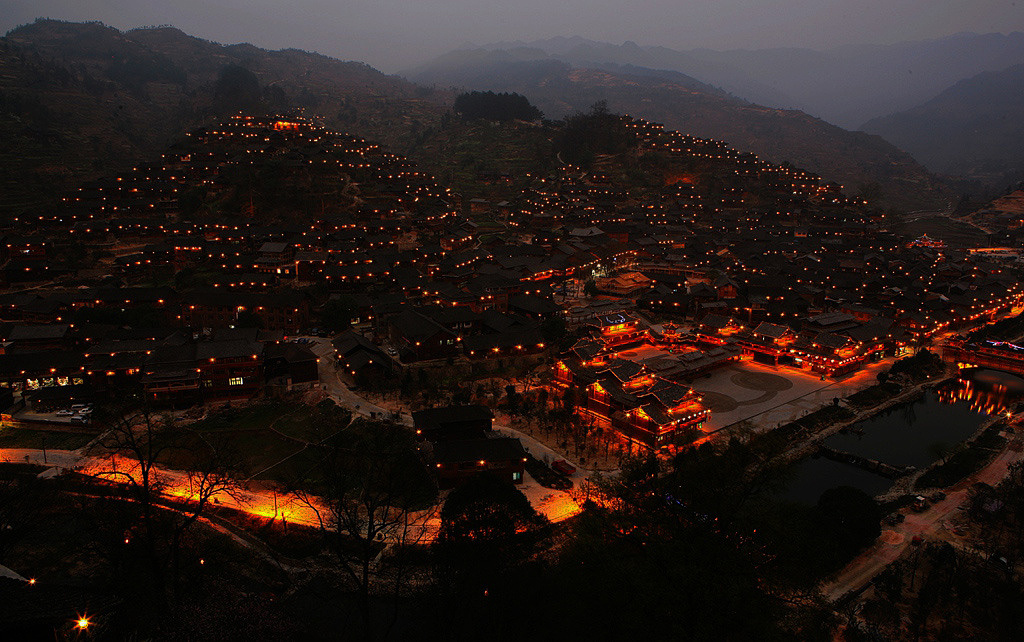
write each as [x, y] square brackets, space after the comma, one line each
[893, 541]
[175, 485]
[264, 501]
[337, 390]
[556, 505]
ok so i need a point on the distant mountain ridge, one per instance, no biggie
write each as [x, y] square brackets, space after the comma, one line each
[864, 164]
[846, 86]
[588, 53]
[82, 99]
[974, 128]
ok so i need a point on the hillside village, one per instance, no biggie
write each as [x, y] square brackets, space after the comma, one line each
[743, 259]
[714, 334]
[289, 293]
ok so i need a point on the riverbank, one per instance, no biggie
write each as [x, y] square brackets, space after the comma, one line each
[811, 445]
[909, 483]
[893, 541]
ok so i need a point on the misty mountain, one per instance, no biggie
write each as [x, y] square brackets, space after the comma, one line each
[697, 64]
[82, 99]
[974, 128]
[865, 164]
[846, 86]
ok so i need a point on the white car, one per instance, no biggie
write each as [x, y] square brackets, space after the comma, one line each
[65, 413]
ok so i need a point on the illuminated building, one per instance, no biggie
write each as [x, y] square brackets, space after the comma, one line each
[1000, 355]
[621, 328]
[631, 399]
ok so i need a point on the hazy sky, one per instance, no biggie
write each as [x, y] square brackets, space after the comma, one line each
[395, 34]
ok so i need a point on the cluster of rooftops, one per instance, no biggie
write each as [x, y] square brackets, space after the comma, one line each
[766, 260]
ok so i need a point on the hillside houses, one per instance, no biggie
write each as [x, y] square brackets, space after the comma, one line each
[756, 260]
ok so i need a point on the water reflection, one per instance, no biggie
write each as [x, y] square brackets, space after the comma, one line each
[915, 433]
[907, 434]
[986, 391]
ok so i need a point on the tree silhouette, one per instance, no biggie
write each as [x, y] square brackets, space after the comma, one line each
[481, 526]
[366, 492]
[488, 105]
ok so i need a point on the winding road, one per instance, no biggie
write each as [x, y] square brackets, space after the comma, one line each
[894, 541]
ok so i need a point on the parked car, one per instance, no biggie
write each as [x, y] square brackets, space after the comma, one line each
[64, 412]
[563, 467]
[545, 476]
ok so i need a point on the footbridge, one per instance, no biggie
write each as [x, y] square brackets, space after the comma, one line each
[997, 355]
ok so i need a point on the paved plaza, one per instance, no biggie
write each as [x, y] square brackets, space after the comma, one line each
[768, 396]
[763, 395]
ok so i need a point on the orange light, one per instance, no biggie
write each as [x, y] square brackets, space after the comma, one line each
[82, 623]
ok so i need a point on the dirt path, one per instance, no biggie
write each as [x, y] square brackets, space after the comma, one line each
[891, 544]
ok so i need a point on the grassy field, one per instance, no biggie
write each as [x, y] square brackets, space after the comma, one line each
[39, 439]
[267, 441]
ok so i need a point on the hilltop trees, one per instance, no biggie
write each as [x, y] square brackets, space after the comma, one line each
[502, 107]
[237, 88]
[585, 136]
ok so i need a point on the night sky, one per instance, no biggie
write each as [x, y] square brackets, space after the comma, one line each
[396, 34]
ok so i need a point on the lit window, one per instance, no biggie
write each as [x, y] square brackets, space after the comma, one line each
[235, 381]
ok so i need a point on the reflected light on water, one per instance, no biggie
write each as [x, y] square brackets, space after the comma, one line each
[985, 391]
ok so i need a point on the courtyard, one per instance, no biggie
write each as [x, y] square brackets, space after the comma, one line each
[767, 396]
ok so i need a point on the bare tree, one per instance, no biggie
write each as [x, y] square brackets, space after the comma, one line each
[136, 440]
[214, 471]
[368, 493]
[143, 445]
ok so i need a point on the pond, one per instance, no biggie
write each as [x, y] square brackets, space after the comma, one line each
[915, 433]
